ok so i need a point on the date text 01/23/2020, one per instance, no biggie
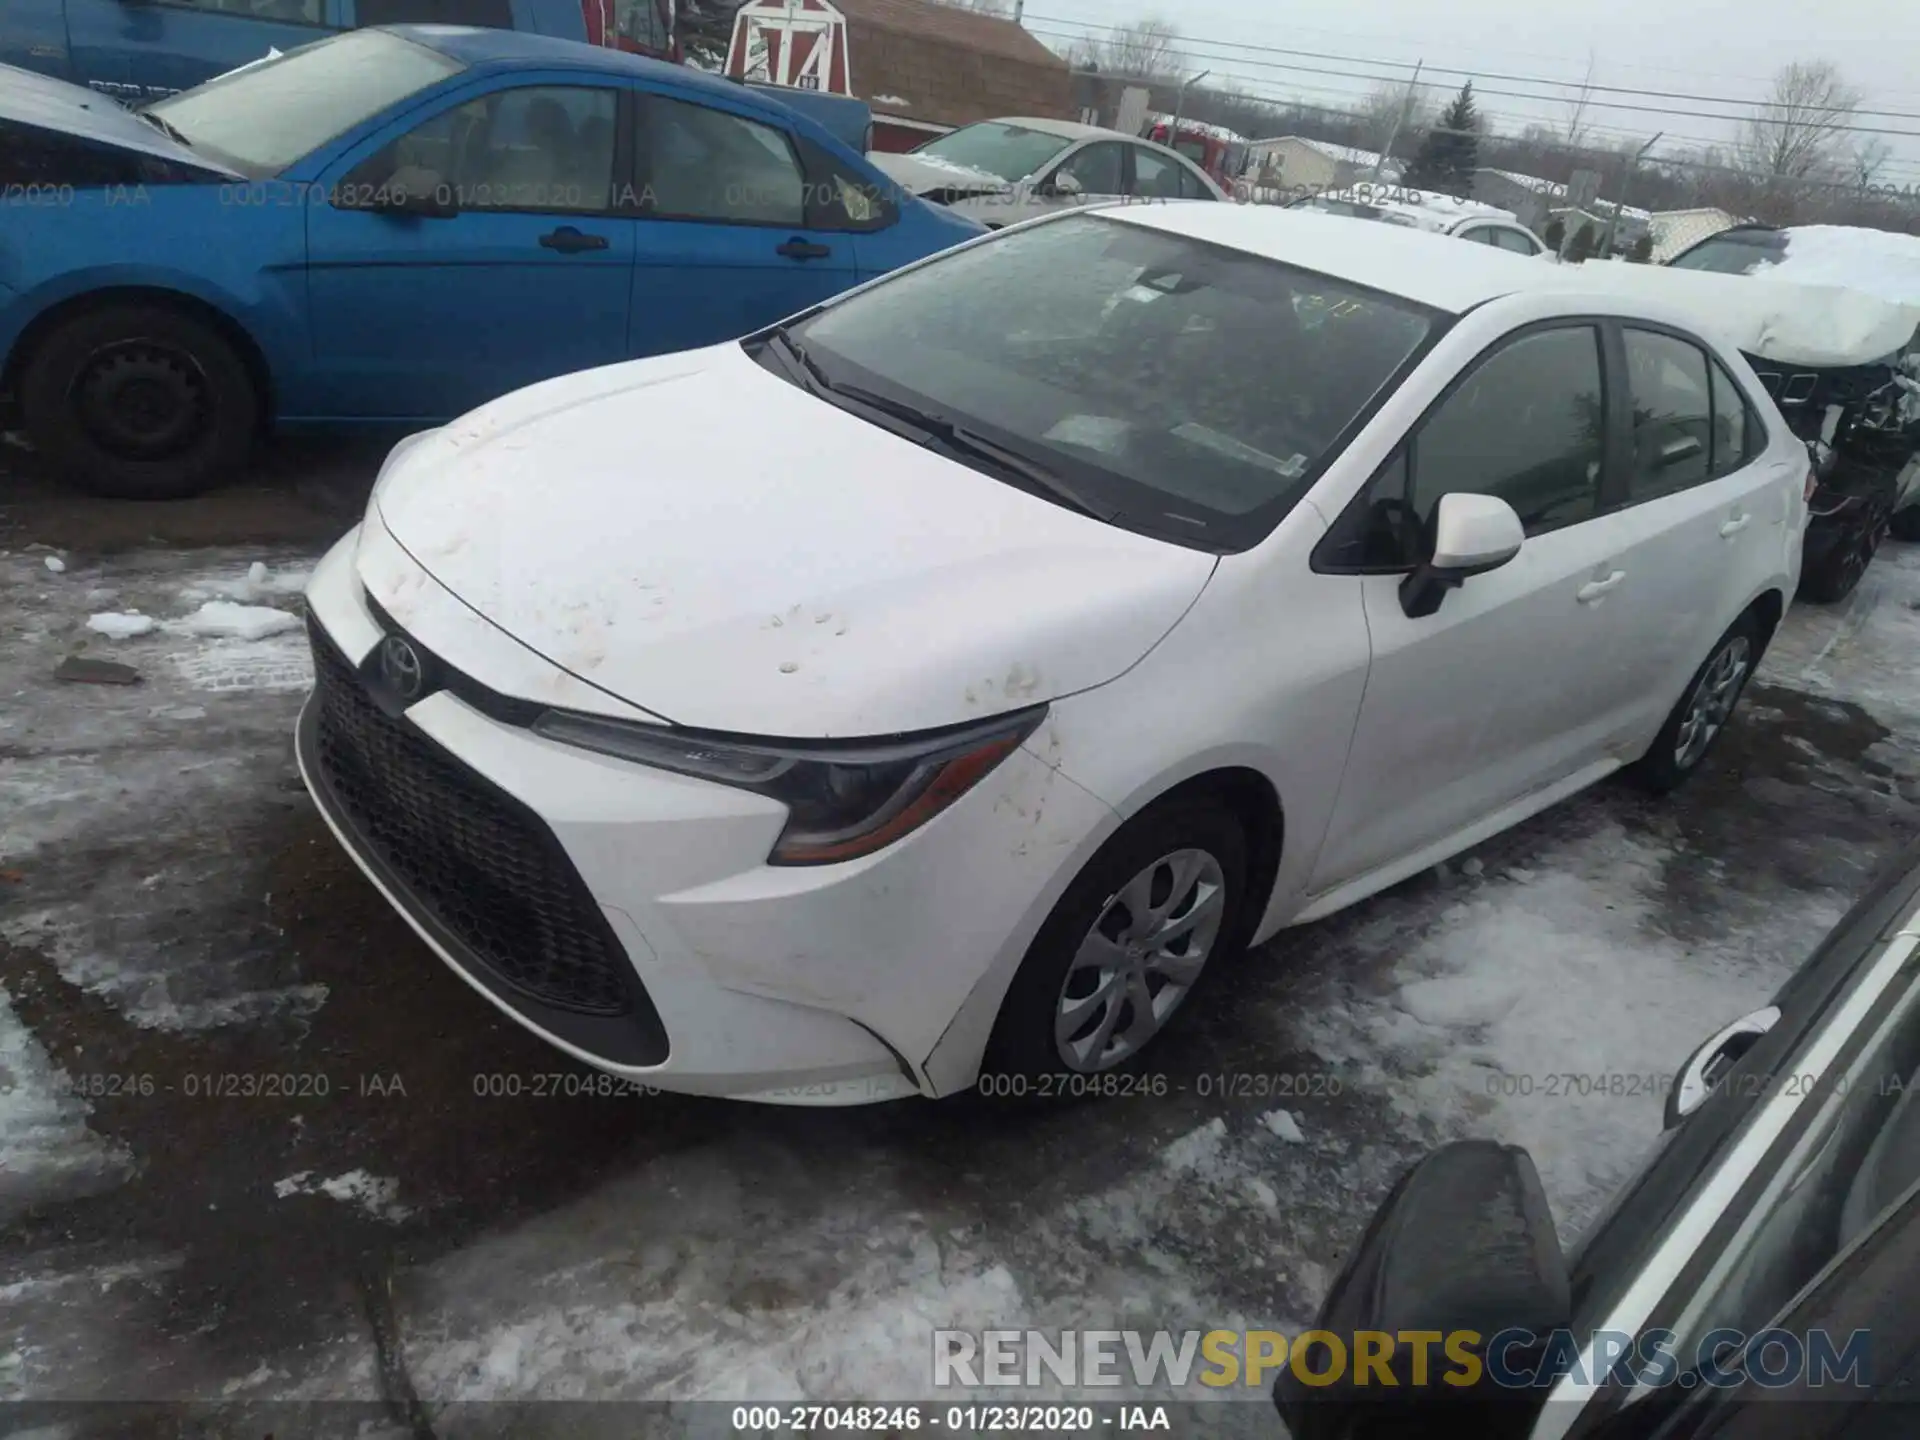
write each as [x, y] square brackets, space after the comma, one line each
[961, 1419]
[1208, 1085]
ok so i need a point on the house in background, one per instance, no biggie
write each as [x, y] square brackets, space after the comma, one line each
[925, 68]
[1296, 164]
[1528, 197]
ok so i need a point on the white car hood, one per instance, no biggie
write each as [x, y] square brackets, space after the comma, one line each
[715, 546]
[924, 176]
[1815, 325]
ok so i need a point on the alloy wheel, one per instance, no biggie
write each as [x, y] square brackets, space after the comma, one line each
[1140, 960]
[1712, 701]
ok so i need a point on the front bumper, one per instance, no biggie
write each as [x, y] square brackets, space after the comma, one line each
[815, 985]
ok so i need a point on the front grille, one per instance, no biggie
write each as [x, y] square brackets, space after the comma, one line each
[477, 861]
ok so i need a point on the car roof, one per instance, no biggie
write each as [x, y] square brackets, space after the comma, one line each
[1065, 129]
[516, 49]
[1424, 266]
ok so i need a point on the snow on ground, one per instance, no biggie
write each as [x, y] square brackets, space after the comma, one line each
[377, 1195]
[46, 1151]
[116, 626]
[209, 725]
[225, 619]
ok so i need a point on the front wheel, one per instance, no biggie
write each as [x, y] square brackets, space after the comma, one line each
[1126, 945]
[139, 402]
[1703, 710]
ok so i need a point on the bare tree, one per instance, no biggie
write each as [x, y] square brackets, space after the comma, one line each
[1147, 49]
[1866, 160]
[1799, 131]
[1380, 112]
[1575, 130]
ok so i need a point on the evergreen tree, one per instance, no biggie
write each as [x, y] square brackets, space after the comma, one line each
[1584, 243]
[1555, 234]
[1450, 151]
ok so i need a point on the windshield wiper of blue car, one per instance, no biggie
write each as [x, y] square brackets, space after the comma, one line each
[159, 123]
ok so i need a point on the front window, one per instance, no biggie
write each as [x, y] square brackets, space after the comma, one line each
[1194, 150]
[1735, 253]
[262, 119]
[1011, 152]
[1196, 392]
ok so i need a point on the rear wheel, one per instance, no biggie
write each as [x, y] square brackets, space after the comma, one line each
[1126, 946]
[139, 402]
[1838, 571]
[1703, 710]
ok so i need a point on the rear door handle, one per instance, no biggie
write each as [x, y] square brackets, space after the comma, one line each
[804, 250]
[569, 241]
[1702, 1071]
[1734, 526]
[1594, 589]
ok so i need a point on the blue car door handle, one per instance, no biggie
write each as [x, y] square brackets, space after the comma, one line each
[797, 249]
[569, 241]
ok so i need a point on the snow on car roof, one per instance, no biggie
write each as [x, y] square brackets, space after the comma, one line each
[1794, 323]
[1879, 262]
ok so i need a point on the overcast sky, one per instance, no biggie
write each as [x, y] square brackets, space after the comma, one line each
[1681, 46]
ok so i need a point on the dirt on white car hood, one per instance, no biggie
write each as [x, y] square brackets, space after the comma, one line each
[712, 544]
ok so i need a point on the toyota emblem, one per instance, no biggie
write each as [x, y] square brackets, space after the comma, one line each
[400, 667]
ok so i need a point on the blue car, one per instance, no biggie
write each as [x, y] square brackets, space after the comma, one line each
[392, 226]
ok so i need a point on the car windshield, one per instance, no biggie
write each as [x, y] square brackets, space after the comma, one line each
[1012, 152]
[1187, 390]
[1735, 253]
[264, 117]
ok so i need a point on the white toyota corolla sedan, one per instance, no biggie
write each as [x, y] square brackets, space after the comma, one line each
[941, 685]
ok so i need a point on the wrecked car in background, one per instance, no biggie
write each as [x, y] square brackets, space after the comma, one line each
[1879, 262]
[391, 226]
[1843, 365]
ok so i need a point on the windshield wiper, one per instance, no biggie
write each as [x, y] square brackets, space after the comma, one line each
[972, 445]
[159, 123]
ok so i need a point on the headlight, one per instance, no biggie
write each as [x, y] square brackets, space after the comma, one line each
[843, 800]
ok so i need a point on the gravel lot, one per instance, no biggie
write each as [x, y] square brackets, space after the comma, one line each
[418, 1211]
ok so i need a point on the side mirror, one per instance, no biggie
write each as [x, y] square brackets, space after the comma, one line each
[1472, 534]
[1067, 185]
[1463, 1243]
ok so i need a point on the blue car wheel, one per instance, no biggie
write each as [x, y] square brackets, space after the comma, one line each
[139, 402]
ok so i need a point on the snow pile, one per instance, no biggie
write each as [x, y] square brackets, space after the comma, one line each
[377, 1195]
[1282, 1124]
[116, 626]
[1879, 262]
[224, 618]
[260, 583]
[46, 1149]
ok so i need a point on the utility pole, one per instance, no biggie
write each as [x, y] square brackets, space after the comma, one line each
[1180, 105]
[1019, 11]
[1626, 181]
[1406, 109]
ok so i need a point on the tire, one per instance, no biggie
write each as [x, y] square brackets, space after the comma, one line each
[1905, 524]
[1840, 569]
[139, 402]
[1210, 846]
[1675, 754]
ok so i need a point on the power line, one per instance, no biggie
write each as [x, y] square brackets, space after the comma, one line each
[1476, 76]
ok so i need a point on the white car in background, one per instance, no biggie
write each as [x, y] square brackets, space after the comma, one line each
[1077, 608]
[1436, 214]
[1000, 172]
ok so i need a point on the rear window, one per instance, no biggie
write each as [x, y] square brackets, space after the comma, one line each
[1737, 252]
[262, 119]
[1197, 390]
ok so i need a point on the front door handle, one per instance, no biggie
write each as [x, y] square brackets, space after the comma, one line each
[1734, 526]
[569, 241]
[1702, 1072]
[1594, 589]
[804, 250]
